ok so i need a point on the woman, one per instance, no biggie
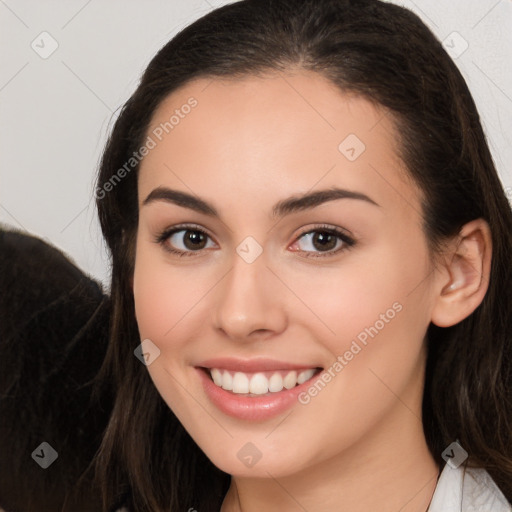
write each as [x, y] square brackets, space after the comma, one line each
[311, 263]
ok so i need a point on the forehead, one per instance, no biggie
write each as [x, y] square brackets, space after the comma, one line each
[272, 135]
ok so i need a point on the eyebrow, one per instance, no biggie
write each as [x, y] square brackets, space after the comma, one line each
[281, 208]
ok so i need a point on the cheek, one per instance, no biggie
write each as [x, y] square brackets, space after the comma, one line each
[151, 303]
[352, 296]
[167, 297]
[157, 297]
[380, 296]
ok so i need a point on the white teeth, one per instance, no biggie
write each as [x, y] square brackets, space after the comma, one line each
[217, 376]
[275, 383]
[290, 380]
[259, 383]
[227, 381]
[240, 383]
[305, 375]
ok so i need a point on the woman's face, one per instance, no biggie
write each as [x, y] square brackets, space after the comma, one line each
[264, 289]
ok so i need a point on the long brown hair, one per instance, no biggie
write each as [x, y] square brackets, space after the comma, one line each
[387, 55]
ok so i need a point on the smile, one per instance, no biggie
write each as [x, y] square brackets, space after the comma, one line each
[255, 389]
[260, 383]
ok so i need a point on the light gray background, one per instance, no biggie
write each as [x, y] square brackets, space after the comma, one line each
[56, 111]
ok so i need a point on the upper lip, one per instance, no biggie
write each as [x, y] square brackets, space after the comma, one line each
[253, 365]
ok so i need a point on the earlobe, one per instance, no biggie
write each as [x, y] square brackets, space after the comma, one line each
[468, 266]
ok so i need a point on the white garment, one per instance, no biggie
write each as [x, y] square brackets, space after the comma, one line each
[467, 490]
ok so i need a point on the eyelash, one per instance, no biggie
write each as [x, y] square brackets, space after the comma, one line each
[162, 238]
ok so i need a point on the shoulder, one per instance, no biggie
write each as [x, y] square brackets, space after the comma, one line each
[467, 489]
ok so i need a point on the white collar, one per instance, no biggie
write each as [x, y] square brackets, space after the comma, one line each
[466, 489]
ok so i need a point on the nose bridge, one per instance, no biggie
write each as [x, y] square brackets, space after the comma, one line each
[245, 301]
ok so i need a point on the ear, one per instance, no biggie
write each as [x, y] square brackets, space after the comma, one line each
[464, 282]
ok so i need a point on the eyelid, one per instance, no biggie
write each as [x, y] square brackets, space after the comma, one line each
[326, 227]
[166, 232]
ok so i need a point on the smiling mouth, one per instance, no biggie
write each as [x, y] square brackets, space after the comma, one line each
[259, 383]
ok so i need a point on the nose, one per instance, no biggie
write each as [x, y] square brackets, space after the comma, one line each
[249, 301]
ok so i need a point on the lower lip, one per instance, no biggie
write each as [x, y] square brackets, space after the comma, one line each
[257, 408]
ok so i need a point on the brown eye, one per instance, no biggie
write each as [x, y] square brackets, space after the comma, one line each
[183, 241]
[194, 240]
[324, 240]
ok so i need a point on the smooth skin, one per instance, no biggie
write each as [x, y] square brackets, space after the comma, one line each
[249, 143]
